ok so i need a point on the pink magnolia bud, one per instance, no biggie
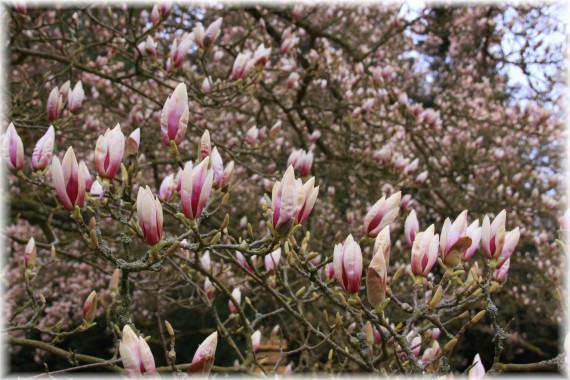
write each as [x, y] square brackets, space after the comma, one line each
[154, 15]
[167, 188]
[242, 65]
[500, 274]
[69, 180]
[376, 278]
[109, 152]
[348, 265]
[212, 33]
[309, 194]
[275, 330]
[206, 261]
[261, 55]
[416, 345]
[421, 178]
[381, 214]
[136, 355]
[292, 80]
[382, 244]
[75, 98]
[511, 241]
[288, 371]
[149, 211]
[431, 353]
[97, 190]
[64, 89]
[243, 262]
[205, 145]
[252, 135]
[227, 175]
[217, 167]
[330, 271]
[315, 136]
[285, 201]
[12, 149]
[43, 151]
[435, 332]
[179, 51]
[474, 233]
[477, 371]
[165, 7]
[133, 142]
[272, 260]
[174, 118]
[150, 46]
[90, 307]
[54, 104]
[493, 235]
[275, 129]
[411, 227]
[30, 254]
[21, 7]
[196, 187]
[236, 294]
[405, 202]
[424, 252]
[199, 34]
[453, 241]
[204, 357]
[206, 85]
[256, 340]
[411, 167]
[209, 288]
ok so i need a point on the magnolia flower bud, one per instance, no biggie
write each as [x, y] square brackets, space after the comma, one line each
[209, 288]
[30, 254]
[411, 227]
[109, 152]
[453, 241]
[54, 104]
[154, 15]
[75, 98]
[212, 33]
[242, 65]
[227, 175]
[133, 142]
[88, 179]
[252, 135]
[424, 252]
[309, 193]
[206, 261]
[136, 355]
[167, 188]
[43, 151]
[381, 214]
[97, 190]
[64, 89]
[114, 282]
[477, 371]
[348, 265]
[174, 118]
[376, 279]
[256, 340]
[204, 357]
[474, 233]
[272, 260]
[236, 294]
[90, 307]
[178, 51]
[150, 46]
[206, 85]
[12, 149]
[285, 202]
[69, 180]
[149, 211]
[205, 146]
[196, 187]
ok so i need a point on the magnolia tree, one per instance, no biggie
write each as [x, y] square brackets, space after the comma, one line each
[284, 189]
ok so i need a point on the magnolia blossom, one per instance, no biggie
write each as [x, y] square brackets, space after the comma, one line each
[424, 252]
[30, 254]
[204, 357]
[474, 233]
[205, 146]
[109, 152]
[261, 55]
[252, 135]
[348, 265]
[54, 104]
[217, 167]
[69, 180]
[206, 261]
[174, 117]
[12, 149]
[301, 161]
[416, 345]
[167, 188]
[236, 294]
[242, 65]
[178, 51]
[136, 355]
[206, 85]
[431, 353]
[477, 371]
[381, 214]
[207, 38]
[243, 262]
[75, 98]
[501, 272]
[155, 15]
[90, 307]
[497, 244]
[209, 288]
[97, 190]
[88, 179]
[272, 260]
[43, 151]
[411, 227]
[196, 187]
[256, 340]
[133, 142]
[453, 241]
[149, 211]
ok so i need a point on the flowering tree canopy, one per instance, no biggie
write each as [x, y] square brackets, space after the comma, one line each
[287, 189]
